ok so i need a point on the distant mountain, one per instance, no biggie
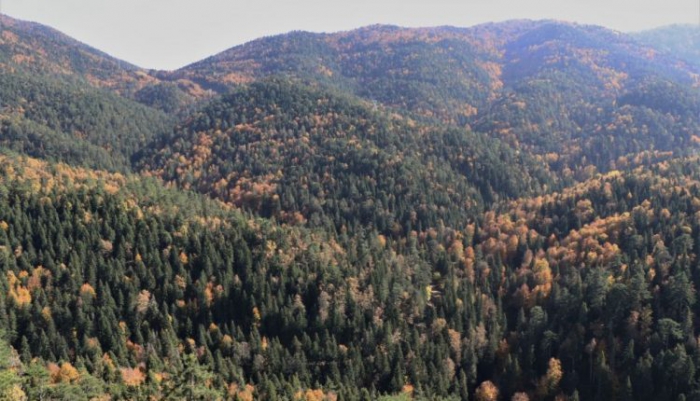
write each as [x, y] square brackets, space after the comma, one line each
[551, 87]
[682, 41]
[441, 71]
[39, 50]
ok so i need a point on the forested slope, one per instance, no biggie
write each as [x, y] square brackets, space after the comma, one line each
[587, 292]
[74, 123]
[282, 150]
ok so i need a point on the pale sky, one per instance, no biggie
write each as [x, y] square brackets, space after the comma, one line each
[168, 34]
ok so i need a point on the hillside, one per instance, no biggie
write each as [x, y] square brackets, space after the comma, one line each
[73, 122]
[117, 266]
[65, 101]
[282, 150]
[683, 41]
[574, 91]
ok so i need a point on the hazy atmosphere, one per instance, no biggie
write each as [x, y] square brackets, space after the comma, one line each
[169, 34]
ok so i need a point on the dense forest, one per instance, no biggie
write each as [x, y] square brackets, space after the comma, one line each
[299, 155]
[504, 212]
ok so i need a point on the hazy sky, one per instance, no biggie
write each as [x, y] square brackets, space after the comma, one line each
[168, 34]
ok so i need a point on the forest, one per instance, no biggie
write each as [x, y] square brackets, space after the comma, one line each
[504, 212]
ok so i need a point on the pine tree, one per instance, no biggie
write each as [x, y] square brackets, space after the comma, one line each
[192, 382]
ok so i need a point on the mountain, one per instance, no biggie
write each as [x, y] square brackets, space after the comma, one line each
[443, 72]
[552, 87]
[38, 50]
[407, 68]
[435, 71]
[508, 211]
[682, 41]
[548, 86]
[41, 50]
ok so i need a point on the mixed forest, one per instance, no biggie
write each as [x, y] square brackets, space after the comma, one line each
[509, 211]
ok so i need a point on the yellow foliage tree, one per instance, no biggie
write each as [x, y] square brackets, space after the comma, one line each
[132, 377]
[487, 391]
[550, 381]
[66, 373]
[19, 293]
[87, 289]
[543, 277]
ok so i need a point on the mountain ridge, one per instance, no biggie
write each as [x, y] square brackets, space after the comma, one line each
[456, 72]
[38, 49]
